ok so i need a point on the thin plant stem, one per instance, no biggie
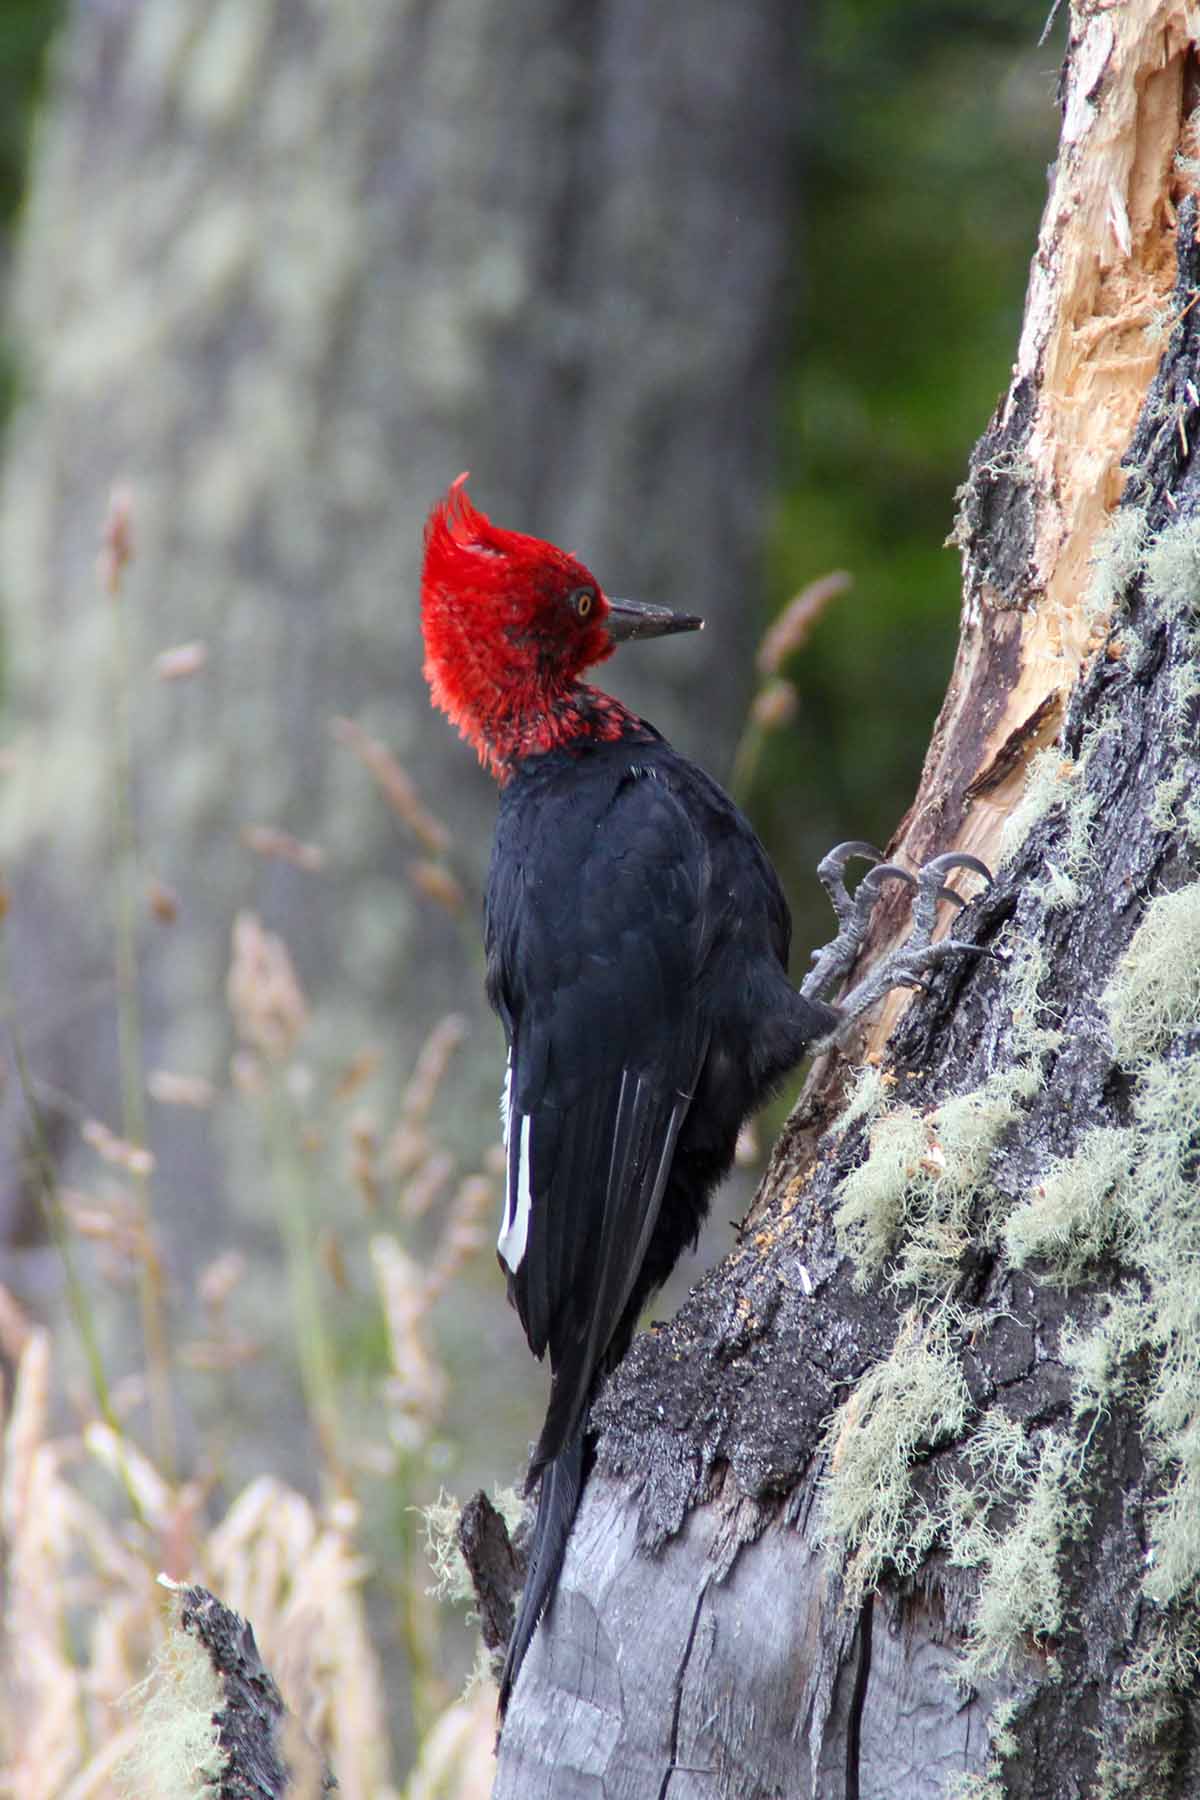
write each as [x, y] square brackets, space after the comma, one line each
[418, 1618]
[56, 1223]
[151, 1295]
[746, 759]
[290, 1185]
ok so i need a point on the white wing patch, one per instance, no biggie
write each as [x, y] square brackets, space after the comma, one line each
[514, 1229]
[506, 1099]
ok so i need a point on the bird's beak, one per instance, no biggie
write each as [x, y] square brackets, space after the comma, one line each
[637, 619]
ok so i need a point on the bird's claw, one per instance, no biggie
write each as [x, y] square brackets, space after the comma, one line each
[831, 872]
[918, 956]
[833, 963]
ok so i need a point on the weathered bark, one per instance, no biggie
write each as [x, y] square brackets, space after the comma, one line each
[932, 1419]
[225, 1712]
[286, 272]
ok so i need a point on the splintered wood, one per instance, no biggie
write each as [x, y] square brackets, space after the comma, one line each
[1047, 475]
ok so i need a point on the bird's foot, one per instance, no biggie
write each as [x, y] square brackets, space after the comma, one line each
[916, 958]
[832, 964]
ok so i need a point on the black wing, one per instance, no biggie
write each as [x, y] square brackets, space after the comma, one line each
[599, 928]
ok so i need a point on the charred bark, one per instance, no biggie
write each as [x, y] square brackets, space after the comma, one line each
[903, 1503]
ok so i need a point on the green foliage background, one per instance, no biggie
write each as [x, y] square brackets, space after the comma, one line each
[928, 130]
[26, 27]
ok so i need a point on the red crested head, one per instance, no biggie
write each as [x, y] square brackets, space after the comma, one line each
[510, 624]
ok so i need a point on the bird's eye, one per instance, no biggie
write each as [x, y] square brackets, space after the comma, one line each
[582, 602]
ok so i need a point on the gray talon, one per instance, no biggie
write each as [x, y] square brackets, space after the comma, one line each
[835, 860]
[830, 872]
[883, 872]
[957, 859]
[915, 959]
[833, 963]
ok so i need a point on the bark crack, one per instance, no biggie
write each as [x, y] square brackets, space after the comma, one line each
[858, 1700]
[673, 1753]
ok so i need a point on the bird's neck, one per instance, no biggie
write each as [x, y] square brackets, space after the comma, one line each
[577, 714]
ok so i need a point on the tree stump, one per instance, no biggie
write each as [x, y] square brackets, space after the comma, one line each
[906, 1500]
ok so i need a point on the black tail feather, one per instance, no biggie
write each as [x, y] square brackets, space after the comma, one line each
[558, 1498]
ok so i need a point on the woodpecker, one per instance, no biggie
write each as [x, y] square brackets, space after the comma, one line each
[637, 945]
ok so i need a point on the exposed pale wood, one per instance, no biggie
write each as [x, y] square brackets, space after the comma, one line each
[701, 1646]
[1047, 474]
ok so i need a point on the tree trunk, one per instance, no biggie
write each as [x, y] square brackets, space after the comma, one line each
[906, 1500]
[287, 274]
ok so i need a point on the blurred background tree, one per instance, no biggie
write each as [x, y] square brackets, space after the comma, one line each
[720, 297]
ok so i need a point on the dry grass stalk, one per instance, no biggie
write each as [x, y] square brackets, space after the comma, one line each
[281, 846]
[116, 549]
[357, 1073]
[416, 1389]
[457, 1756]
[180, 662]
[162, 901]
[427, 1183]
[397, 787]
[409, 1144]
[170, 1089]
[364, 1155]
[83, 1614]
[437, 883]
[464, 1234]
[117, 1151]
[264, 993]
[791, 629]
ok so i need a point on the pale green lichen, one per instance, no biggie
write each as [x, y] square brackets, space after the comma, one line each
[925, 1174]
[952, 1196]
[1100, 1356]
[874, 1197]
[177, 1754]
[866, 1096]
[1116, 562]
[1172, 570]
[1134, 1188]
[1006, 1502]
[1155, 990]
[1074, 1214]
[452, 1581]
[1168, 1108]
[913, 1400]
[1156, 1683]
[1032, 1038]
[1043, 790]
[1021, 1596]
[988, 1786]
[1167, 794]
[1056, 780]
[997, 1455]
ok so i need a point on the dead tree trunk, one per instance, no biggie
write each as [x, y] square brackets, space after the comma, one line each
[906, 1501]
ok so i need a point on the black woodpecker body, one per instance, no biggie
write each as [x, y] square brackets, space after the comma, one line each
[637, 949]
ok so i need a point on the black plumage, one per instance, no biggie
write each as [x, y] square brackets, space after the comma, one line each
[637, 942]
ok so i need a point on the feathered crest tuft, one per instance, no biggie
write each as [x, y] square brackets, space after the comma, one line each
[504, 640]
[456, 525]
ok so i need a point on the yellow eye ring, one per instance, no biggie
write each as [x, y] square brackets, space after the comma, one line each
[583, 600]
